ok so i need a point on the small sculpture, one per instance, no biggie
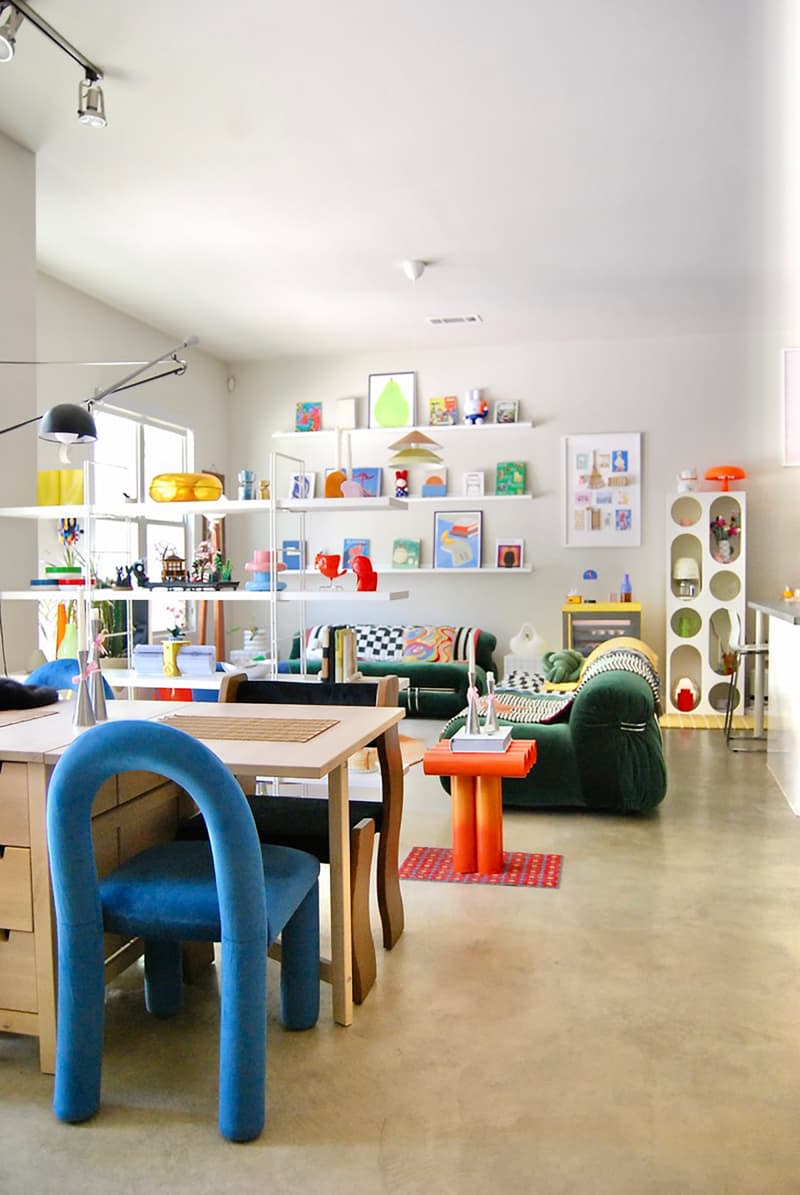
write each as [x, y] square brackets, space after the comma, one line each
[473, 725]
[261, 566]
[476, 409]
[490, 722]
[328, 564]
[367, 578]
[401, 483]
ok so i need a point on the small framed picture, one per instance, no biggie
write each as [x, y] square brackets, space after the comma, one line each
[293, 554]
[443, 412]
[302, 485]
[392, 399]
[510, 477]
[352, 548]
[308, 417]
[508, 553]
[473, 484]
[506, 411]
[434, 483]
[406, 553]
[346, 413]
[368, 479]
[457, 538]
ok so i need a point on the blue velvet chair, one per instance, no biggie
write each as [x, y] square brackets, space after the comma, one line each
[229, 889]
[61, 674]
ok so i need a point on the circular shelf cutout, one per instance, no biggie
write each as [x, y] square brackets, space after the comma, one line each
[686, 511]
[718, 697]
[725, 587]
[686, 623]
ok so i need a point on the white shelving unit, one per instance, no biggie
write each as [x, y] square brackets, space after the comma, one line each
[431, 429]
[699, 624]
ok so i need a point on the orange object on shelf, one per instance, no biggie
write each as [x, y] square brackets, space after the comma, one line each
[185, 487]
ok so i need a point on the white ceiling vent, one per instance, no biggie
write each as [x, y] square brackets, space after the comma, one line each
[454, 319]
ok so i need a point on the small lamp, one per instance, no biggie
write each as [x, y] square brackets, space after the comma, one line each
[686, 575]
[414, 448]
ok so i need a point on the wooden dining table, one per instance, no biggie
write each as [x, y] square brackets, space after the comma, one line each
[136, 809]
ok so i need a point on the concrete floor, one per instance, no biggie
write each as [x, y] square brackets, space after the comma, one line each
[636, 1031]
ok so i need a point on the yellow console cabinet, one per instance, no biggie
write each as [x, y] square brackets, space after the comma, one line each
[585, 624]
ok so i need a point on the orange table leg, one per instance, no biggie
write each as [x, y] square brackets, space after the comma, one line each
[489, 824]
[462, 800]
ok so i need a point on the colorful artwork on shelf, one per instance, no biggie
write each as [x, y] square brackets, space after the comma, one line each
[308, 417]
[509, 553]
[293, 552]
[406, 553]
[443, 412]
[506, 411]
[392, 399]
[334, 480]
[510, 477]
[457, 539]
[603, 490]
[368, 479]
[473, 484]
[302, 485]
[352, 548]
[434, 483]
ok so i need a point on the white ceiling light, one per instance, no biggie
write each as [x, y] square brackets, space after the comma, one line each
[8, 31]
[413, 269]
[91, 105]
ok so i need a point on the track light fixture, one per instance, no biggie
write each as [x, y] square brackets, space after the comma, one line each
[91, 103]
[8, 30]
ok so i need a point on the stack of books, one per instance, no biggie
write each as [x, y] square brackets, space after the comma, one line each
[339, 655]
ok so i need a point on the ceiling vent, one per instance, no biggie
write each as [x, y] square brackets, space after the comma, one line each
[454, 319]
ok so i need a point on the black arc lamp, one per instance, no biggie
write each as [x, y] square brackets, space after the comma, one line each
[67, 423]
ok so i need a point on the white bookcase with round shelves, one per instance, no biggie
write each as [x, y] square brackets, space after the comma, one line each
[706, 565]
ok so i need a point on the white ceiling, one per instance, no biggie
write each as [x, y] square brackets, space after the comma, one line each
[572, 168]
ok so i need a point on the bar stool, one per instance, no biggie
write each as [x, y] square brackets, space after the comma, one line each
[746, 741]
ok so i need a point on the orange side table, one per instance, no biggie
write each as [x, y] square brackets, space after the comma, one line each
[476, 798]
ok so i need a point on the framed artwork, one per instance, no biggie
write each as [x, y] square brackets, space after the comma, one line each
[602, 490]
[302, 485]
[457, 538]
[506, 412]
[510, 477]
[293, 554]
[392, 399]
[508, 553]
[791, 407]
[308, 417]
[443, 412]
[346, 413]
[352, 548]
[368, 479]
[434, 483]
[406, 553]
[473, 484]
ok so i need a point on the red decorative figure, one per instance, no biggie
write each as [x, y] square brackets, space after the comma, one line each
[328, 565]
[367, 578]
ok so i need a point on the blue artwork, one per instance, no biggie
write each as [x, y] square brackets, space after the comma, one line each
[368, 478]
[293, 554]
[353, 548]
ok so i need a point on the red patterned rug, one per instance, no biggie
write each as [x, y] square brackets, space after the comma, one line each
[520, 870]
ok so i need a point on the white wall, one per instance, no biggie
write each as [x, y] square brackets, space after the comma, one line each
[17, 392]
[698, 401]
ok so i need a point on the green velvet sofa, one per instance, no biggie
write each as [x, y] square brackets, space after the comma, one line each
[603, 751]
[436, 688]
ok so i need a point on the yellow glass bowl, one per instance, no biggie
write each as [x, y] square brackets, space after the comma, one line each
[185, 487]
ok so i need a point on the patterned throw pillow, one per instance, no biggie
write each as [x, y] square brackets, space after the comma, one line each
[461, 641]
[379, 643]
[429, 645]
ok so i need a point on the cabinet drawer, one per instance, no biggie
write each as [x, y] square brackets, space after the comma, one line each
[14, 805]
[17, 971]
[16, 906]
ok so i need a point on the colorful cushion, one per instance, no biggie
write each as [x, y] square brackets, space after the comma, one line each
[428, 645]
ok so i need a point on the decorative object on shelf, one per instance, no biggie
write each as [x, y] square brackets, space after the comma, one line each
[308, 417]
[406, 553]
[414, 448]
[626, 590]
[508, 553]
[294, 554]
[473, 484]
[401, 483]
[686, 575]
[602, 490]
[328, 565]
[302, 485]
[686, 694]
[346, 413]
[59, 487]
[170, 649]
[392, 399]
[510, 477]
[263, 564]
[490, 725]
[724, 532]
[457, 539]
[247, 485]
[366, 577]
[476, 408]
[263, 491]
[506, 411]
[173, 567]
[83, 714]
[687, 481]
[434, 485]
[725, 474]
[443, 412]
[589, 579]
[353, 548]
[335, 479]
[527, 643]
[367, 479]
[185, 487]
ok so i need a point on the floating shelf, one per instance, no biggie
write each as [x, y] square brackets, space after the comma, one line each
[431, 428]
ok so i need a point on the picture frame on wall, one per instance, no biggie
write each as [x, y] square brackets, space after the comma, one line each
[509, 553]
[457, 536]
[506, 411]
[392, 399]
[308, 417]
[602, 487]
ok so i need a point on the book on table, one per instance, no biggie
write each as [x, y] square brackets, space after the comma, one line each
[495, 740]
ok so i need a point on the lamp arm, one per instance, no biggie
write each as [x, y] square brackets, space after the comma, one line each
[122, 383]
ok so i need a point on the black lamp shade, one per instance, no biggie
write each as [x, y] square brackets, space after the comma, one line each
[68, 423]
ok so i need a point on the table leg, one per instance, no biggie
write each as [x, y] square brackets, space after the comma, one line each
[489, 824]
[758, 678]
[341, 928]
[462, 800]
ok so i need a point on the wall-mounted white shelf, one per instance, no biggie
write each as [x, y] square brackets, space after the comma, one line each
[131, 510]
[429, 428]
[337, 505]
[67, 593]
[461, 499]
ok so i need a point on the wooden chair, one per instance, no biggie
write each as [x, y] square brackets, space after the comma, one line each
[303, 822]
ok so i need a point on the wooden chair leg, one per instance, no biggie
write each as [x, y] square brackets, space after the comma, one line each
[362, 839]
[390, 898]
